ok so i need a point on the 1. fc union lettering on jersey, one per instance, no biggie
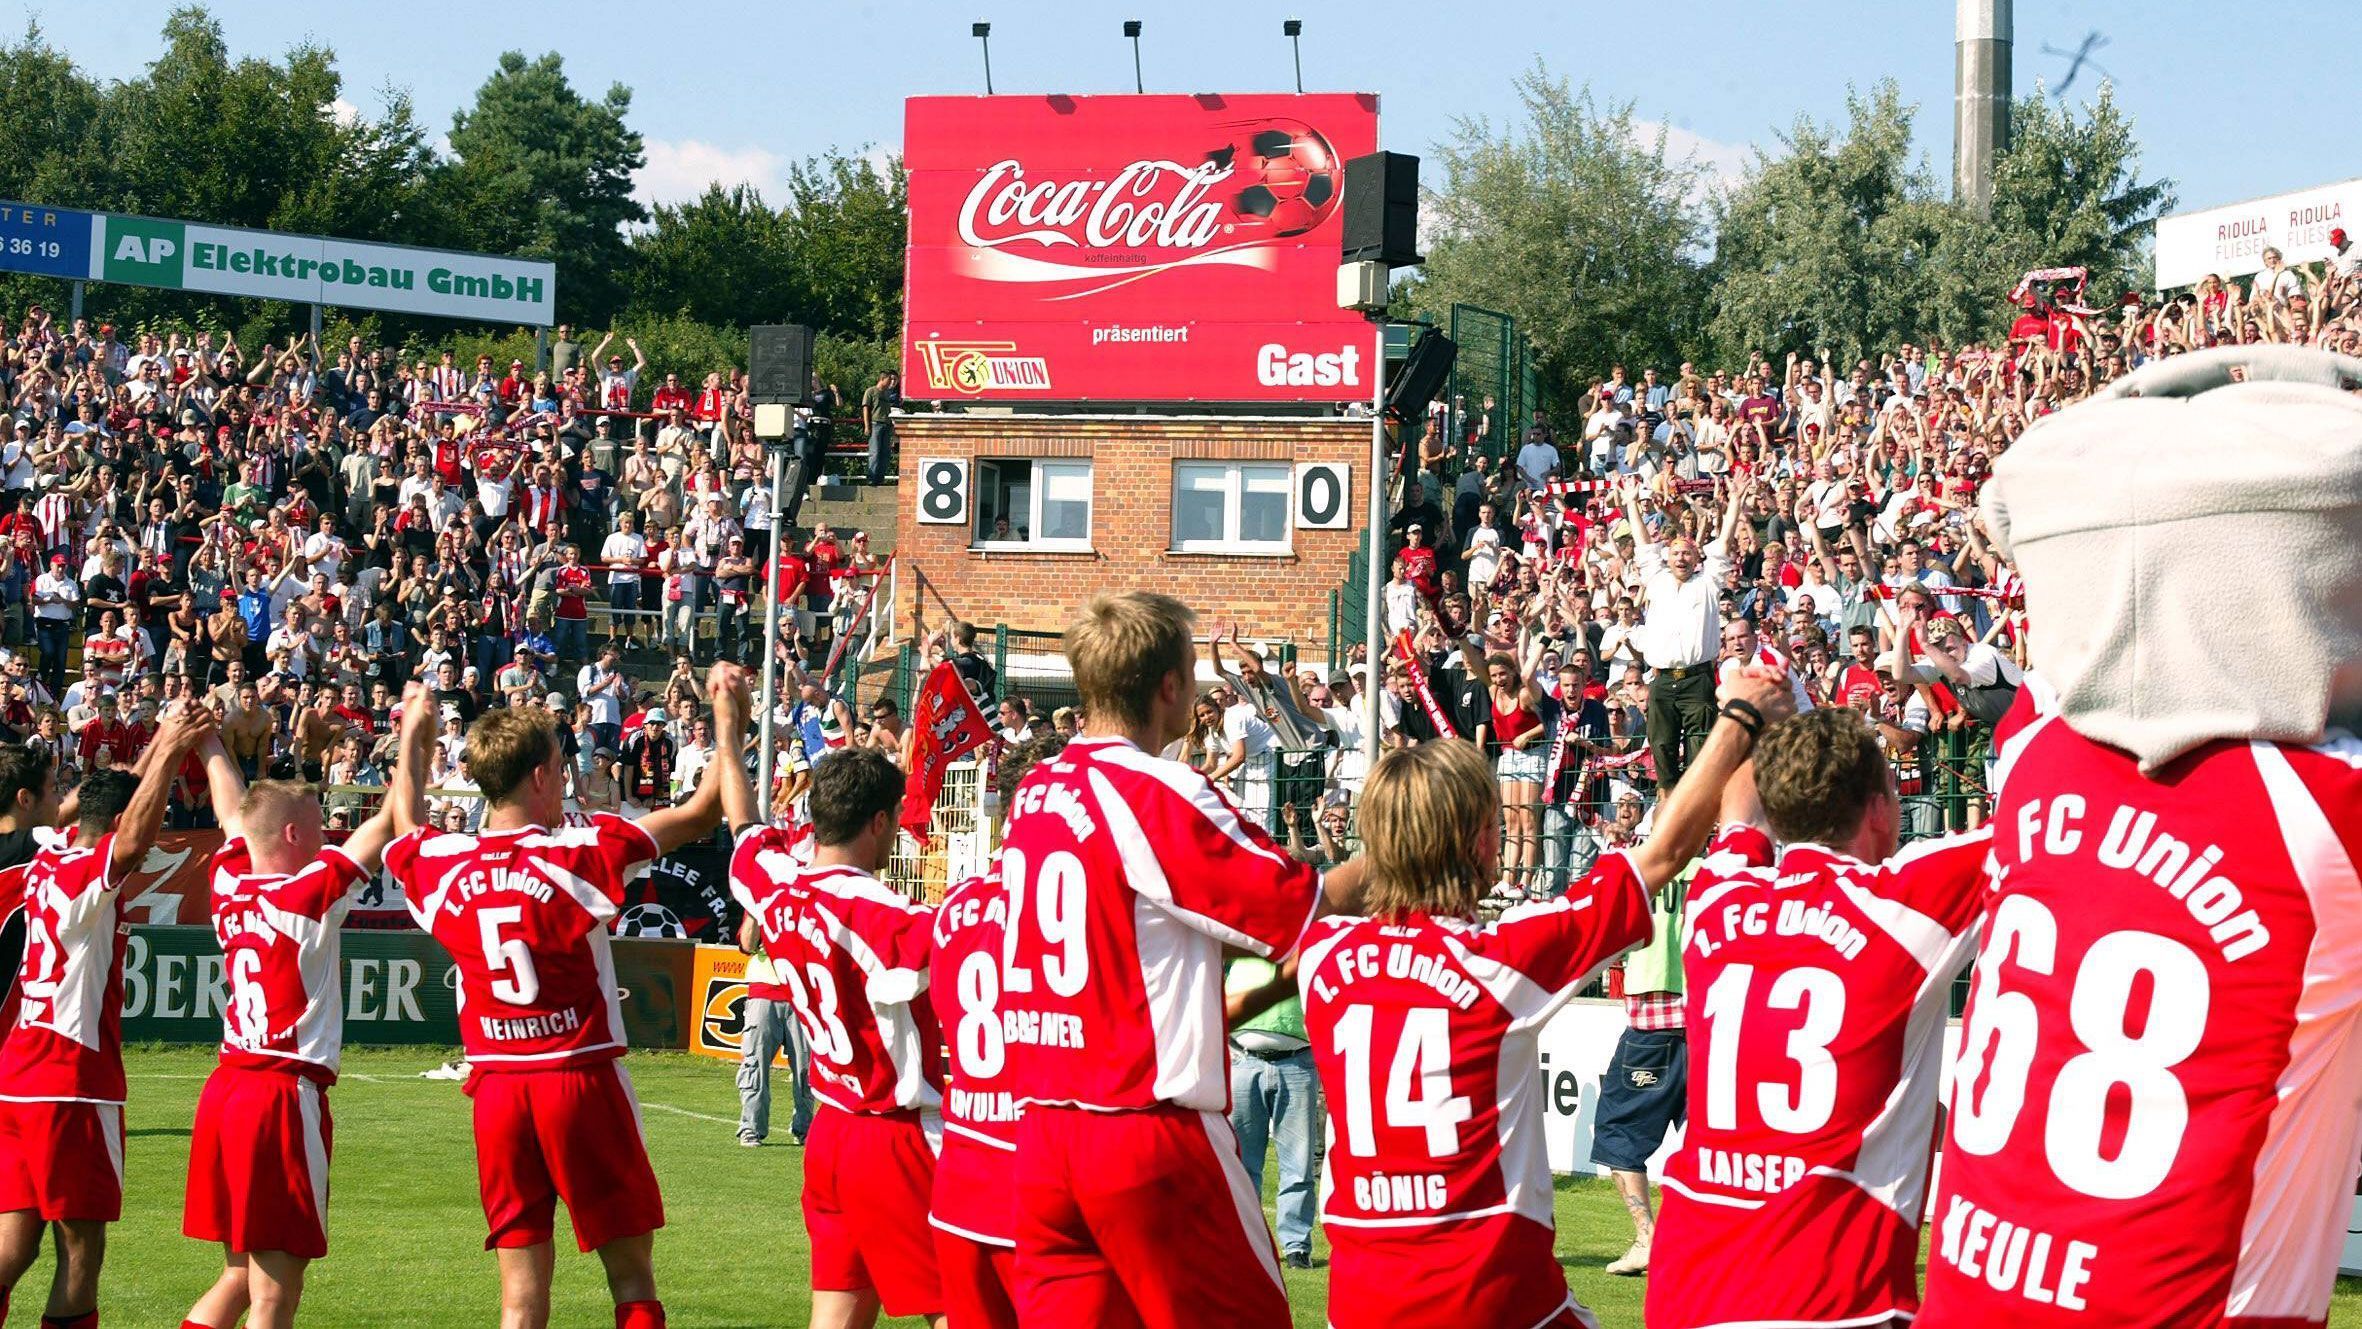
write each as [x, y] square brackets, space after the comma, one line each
[2133, 843]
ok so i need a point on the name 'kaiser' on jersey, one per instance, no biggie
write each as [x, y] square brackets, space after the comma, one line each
[1817, 989]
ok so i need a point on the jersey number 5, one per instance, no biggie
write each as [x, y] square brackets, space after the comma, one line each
[508, 959]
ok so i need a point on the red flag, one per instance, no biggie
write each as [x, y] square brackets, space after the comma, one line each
[949, 727]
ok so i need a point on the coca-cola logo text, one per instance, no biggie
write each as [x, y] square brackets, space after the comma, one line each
[1148, 204]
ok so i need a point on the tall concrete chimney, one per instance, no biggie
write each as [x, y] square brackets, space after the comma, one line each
[1980, 98]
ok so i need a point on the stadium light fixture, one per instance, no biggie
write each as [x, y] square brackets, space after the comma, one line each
[1293, 30]
[982, 32]
[1132, 30]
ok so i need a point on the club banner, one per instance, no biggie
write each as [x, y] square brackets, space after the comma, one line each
[1132, 248]
[399, 988]
[949, 727]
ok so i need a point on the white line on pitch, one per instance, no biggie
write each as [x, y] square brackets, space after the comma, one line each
[684, 1112]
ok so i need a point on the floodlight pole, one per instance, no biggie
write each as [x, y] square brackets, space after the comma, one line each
[766, 746]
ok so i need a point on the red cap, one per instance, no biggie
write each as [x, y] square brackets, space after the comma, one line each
[57, 560]
[2337, 236]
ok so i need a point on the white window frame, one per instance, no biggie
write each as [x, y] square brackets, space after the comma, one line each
[1283, 477]
[984, 479]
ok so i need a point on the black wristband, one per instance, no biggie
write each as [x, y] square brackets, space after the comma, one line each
[1744, 715]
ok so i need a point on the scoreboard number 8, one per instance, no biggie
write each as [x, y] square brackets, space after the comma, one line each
[943, 491]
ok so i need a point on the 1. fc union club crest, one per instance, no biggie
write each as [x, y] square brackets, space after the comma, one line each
[971, 367]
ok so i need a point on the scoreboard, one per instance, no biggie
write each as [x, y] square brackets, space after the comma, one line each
[49, 242]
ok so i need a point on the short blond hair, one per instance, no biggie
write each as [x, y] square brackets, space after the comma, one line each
[506, 746]
[1422, 810]
[1123, 649]
[268, 806]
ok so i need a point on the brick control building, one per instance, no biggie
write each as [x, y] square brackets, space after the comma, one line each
[1019, 519]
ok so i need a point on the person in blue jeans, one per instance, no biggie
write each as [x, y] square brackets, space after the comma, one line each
[1275, 1096]
[771, 1028]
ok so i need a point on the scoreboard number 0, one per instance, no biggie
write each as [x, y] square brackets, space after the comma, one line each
[1323, 493]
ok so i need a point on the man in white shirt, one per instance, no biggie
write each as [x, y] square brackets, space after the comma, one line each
[1537, 461]
[1681, 632]
[1246, 768]
[602, 686]
[624, 551]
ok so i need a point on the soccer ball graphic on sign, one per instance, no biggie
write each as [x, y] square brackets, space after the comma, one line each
[650, 920]
[1284, 177]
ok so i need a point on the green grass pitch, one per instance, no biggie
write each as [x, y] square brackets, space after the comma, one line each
[406, 1236]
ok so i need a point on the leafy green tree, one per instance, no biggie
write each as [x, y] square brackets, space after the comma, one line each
[1829, 244]
[725, 257]
[848, 223]
[2067, 192]
[48, 109]
[541, 171]
[1573, 222]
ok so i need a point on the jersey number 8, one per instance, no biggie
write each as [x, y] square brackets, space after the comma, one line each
[1998, 1045]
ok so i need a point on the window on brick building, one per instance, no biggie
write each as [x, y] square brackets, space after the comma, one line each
[1033, 504]
[1230, 507]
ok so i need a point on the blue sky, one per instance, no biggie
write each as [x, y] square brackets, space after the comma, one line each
[2228, 106]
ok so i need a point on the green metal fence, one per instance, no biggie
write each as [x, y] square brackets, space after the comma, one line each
[1491, 368]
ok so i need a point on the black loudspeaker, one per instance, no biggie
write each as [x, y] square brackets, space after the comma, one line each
[1382, 209]
[779, 364]
[1423, 374]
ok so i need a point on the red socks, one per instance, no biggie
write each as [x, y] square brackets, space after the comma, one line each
[87, 1320]
[638, 1315]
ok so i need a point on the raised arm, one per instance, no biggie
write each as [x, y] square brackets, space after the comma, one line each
[226, 785]
[1686, 818]
[687, 822]
[187, 725]
[405, 797]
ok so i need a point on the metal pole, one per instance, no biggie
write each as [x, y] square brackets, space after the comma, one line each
[315, 344]
[540, 350]
[987, 40]
[1137, 84]
[765, 750]
[1298, 44]
[74, 302]
[1374, 605]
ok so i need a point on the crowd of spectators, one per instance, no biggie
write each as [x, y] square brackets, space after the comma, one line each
[296, 532]
[1559, 596]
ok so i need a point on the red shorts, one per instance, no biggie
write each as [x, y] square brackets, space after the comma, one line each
[1141, 1218]
[1823, 1251]
[979, 1282]
[62, 1160]
[867, 1179]
[570, 1133]
[975, 1190]
[258, 1163]
[1500, 1269]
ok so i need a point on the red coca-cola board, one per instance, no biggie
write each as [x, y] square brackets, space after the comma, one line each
[1132, 249]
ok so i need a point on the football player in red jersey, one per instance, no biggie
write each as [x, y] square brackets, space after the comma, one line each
[524, 910]
[1423, 1021]
[974, 1208]
[1818, 978]
[1127, 876]
[258, 1156]
[852, 952]
[61, 1070]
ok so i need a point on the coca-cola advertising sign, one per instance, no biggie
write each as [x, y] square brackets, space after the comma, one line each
[1132, 248]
